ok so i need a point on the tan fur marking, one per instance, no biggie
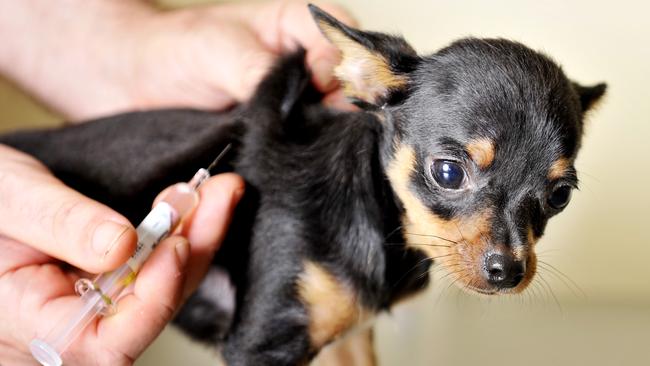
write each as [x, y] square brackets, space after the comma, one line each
[365, 74]
[531, 262]
[531, 269]
[519, 252]
[471, 234]
[420, 220]
[420, 224]
[532, 240]
[558, 168]
[482, 152]
[356, 349]
[332, 305]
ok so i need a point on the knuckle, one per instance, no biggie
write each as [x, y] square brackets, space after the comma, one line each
[167, 311]
[69, 217]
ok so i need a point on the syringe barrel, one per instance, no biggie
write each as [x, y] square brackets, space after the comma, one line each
[174, 204]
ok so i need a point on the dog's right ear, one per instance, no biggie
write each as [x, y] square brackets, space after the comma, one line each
[375, 67]
[589, 95]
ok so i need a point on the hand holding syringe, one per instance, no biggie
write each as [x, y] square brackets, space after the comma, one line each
[98, 297]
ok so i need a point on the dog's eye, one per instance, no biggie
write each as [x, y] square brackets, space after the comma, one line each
[448, 174]
[560, 197]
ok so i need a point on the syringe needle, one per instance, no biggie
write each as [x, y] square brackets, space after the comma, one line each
[221, 155]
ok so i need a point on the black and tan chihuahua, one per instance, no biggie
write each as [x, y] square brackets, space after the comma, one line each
[459, 157]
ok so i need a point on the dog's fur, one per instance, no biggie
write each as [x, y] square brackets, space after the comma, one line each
[344, 212]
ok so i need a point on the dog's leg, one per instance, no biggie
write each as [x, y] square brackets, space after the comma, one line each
[356, 349]
[288, 316]
[207, 314]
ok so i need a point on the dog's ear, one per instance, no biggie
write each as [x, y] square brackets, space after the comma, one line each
[375, 67]
[589, 95]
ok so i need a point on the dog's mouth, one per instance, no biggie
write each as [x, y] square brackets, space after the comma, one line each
[471, 275]
[492, 291]
[481, 291]
[479, 266]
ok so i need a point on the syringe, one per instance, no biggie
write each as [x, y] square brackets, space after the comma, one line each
[98, 297]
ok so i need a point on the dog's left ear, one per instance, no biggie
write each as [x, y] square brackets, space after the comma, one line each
[589, 95]
[375, 67]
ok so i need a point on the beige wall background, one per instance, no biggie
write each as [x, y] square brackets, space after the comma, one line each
[600, 242]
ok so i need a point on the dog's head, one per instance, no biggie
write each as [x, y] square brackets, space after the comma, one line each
[483, 135]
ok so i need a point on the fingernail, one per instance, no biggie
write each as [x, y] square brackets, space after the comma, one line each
[183, 251]
[237, 195]
[323, 70]
[106, 236]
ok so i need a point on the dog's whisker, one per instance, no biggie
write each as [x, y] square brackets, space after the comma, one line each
[467, 286]
[431, 236]
[562, 277]
[550, 289]
[525, 299]
[537, 291]
[574, 292]
[394, 231]
[531, 293]
[446, 289]
[417, 265]
[448, 274]
[548, 252]
[422, 244]
[460, 232]
[445, 269]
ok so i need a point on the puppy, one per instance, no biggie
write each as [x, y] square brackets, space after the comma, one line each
[459, 157]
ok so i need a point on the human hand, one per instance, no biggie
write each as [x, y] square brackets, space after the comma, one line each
[211, 57]
[118, 56]
[43, 222]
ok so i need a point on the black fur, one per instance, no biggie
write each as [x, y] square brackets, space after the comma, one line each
[316, 178]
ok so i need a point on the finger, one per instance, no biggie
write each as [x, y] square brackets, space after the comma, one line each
[338, 100]
[41, 211]
[156, 295]
[209, 224]
[294, 24]
[17, 255]
[243, 59]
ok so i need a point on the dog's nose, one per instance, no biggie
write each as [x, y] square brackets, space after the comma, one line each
[503, 271]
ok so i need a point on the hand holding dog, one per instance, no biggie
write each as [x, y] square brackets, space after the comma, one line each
[91, 59]
[114, 57]
[43, 222]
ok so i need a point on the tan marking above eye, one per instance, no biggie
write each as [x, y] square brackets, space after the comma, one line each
[558, 168]
[332, 305]
[482, 151]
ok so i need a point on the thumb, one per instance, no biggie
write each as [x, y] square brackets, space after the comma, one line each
[39, 210]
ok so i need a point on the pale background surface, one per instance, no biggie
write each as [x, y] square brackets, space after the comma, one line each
[600, 240]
